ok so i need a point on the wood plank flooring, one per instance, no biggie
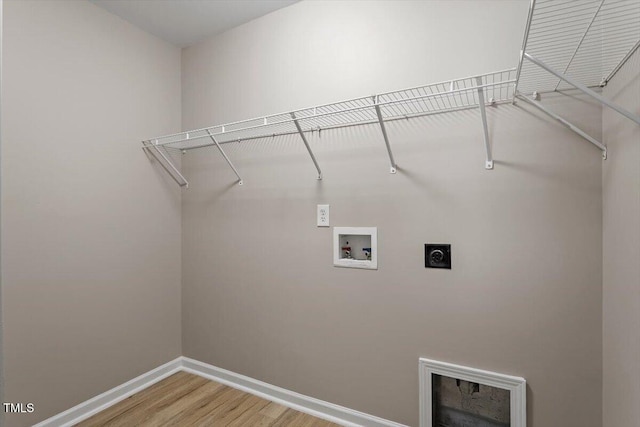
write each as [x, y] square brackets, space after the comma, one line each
[185, 399]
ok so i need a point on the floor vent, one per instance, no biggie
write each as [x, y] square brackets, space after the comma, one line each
[454, 395]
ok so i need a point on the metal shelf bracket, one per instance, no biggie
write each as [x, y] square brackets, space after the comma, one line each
[583, 88]
[306, 144]
[225, 157]
[166, 164]
[392, 167]
[571, 126]
[488, 164]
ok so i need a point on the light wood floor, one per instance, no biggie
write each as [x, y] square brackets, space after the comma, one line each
[185, 399]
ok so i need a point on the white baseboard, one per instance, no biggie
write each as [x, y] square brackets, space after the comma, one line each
[102, 401]
[309, 405]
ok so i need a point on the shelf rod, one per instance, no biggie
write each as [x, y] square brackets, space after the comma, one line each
[169, 171]
[341, 126]
[330, 104]
[392, 168]
[584, 89]
[574, 128]
[225, 157]
[483, 114]
[575, 52]
[347, 110]
[306, 144]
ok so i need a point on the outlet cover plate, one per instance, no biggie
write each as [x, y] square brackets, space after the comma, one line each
[323, 215]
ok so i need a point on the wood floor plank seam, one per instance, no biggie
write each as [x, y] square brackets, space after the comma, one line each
[184, 399]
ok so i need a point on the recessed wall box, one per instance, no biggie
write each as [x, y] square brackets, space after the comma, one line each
[355, 247]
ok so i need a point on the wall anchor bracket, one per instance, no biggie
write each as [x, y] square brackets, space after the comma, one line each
[306, 144]
[583, 89]
[225, 157]
[483, 115]
[392, 168]
[568, 124]
[157, 152]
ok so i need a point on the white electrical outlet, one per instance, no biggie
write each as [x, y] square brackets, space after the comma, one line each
[323, 215]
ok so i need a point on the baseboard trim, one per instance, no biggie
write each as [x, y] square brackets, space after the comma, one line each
[109, 398]
[309, 405]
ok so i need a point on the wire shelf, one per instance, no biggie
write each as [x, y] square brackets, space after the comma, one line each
[587, 40]
[446, 96]
[567, 43]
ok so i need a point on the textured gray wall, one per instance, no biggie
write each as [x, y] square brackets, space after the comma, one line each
[621, 253]
[90, 229]
[260, 294]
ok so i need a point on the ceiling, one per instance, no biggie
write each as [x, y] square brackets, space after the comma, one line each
[185, 22]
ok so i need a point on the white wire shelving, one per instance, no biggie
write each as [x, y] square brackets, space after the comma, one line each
[567, 44]
[452, 95]
[588, 40]
[577, 44]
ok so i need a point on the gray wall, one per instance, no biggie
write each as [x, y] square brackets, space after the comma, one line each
[90, 229]
[621, 253]
[260, 294]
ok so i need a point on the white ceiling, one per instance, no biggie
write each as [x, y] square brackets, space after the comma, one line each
[185, 22]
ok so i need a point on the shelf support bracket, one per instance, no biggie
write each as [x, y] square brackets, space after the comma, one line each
[166, 164]
[574, 128]
[306, 144]
[584, 89]
[488, 164]
[225, 156]
[392, 168]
